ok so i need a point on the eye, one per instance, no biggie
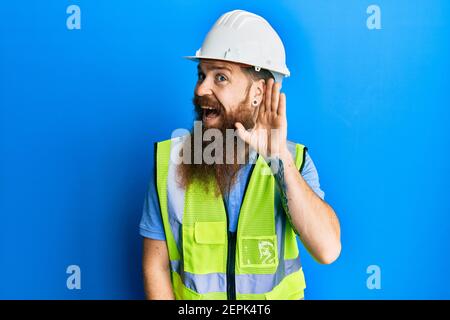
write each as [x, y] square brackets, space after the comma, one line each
[200, 76]
[220, 77]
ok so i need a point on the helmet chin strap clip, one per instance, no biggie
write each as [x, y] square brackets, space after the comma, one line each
[257, 69]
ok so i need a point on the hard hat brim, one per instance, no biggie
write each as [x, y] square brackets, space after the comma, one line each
[285, 73]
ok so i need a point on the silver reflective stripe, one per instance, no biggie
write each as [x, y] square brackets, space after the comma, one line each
[280, 223]
[262, 283]
[245, 283]
[200, 283]
[175, 198]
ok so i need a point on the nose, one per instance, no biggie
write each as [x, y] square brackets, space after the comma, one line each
[203, 88]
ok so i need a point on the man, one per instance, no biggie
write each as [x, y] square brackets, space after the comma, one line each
[221, 218]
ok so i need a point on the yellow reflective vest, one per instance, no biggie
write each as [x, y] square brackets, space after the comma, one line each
[258, 261]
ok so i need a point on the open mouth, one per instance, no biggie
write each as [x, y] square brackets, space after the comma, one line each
[210, 112]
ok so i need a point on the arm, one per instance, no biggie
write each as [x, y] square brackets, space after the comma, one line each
[156, 272]
[314, 220]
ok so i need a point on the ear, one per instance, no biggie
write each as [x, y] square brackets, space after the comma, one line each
[257, 91]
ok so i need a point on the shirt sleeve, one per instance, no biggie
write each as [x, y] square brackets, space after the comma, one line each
[151, 225]
[311, 176]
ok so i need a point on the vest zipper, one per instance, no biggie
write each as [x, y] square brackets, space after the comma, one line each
[231, 263]
[231, 256]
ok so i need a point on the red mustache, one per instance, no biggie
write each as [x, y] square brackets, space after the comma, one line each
[207, 101]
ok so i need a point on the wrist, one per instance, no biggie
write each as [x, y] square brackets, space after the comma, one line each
[285, 155]
[281, 159]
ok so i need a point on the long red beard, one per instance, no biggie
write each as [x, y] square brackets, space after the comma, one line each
[218, 178]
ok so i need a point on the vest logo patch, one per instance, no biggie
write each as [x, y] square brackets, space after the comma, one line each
[266, 252]
[258, 251]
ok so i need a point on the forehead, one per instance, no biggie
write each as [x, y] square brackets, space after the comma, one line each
[211, 65]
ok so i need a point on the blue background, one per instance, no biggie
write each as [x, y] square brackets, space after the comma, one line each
[80, 110]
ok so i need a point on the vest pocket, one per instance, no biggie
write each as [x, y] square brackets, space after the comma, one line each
[210, 232]
[204, 248]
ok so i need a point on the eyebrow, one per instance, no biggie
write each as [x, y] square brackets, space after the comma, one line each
[214, 67]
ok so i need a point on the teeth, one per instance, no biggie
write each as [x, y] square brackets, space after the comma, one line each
[206, 107]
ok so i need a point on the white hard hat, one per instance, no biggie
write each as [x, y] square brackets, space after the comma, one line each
[244, 37]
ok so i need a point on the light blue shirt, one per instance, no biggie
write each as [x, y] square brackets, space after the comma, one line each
[151, 225]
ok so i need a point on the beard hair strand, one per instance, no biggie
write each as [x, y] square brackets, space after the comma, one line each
[217, 178]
